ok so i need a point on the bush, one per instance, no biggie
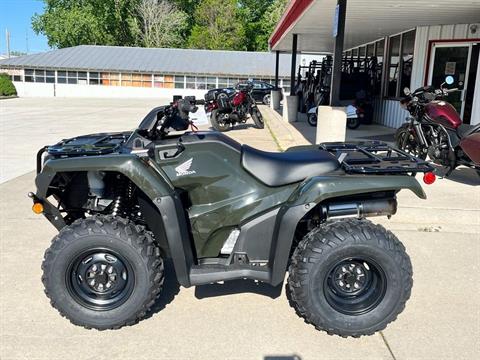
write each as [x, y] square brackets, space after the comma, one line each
[6, 86]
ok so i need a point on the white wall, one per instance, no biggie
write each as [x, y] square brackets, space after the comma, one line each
[27, 89]
[438, 32]
[389, 112]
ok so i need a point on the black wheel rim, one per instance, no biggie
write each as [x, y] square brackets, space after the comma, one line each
[355, 286]
[100, 279]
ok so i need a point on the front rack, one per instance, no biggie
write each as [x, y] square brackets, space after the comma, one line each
[375, 157]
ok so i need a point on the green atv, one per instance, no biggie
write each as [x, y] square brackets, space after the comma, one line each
[125, 202]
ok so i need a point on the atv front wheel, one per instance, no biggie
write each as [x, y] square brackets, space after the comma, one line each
[258, 118]
[103, 272]
[218, 123]
[350, 278]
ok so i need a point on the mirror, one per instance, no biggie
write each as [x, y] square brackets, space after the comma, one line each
[406, 91]
[449, 80]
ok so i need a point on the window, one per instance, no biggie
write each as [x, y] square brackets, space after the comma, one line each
[222, 82]
[126, 79]
[211, 83]
[232, 82]
[72, 77]
[190, 82]
[286, 85]
[378, 70]
[114, 79]
[179, 81]
[50, 76]
[393, 66]
[370, 50]
[61, 77]
[355, 53]
[82, 77]
[29, 75]
[39, 76]
[201, 83]
[16, 77]
[400, 61]
[362, 52]
[94, 78]
[408, 44]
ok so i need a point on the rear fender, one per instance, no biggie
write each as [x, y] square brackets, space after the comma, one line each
[317, 189]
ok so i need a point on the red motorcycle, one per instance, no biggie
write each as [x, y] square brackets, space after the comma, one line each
[436, 130]
[227, 109]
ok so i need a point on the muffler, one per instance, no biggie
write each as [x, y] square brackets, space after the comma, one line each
[359, 209]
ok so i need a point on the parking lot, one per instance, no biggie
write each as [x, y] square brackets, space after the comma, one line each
[239, 319]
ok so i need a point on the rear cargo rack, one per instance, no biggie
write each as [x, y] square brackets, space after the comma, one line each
[375, 157]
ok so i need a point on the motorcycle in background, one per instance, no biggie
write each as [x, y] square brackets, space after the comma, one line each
[355, 115]
[435, 129]
[228, 109]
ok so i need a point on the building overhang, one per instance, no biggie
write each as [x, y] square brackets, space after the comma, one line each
[366, 21]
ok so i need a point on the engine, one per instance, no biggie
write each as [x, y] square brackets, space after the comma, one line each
[438, 145]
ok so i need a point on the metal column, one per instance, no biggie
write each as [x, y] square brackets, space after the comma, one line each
[339, 33]
[277, 61]
[294, 64]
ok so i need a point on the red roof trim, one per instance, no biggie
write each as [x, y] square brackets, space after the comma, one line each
[295, 9]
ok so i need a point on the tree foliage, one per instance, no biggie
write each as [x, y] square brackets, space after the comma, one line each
[208, 24]
[218, 26]
[6, 86]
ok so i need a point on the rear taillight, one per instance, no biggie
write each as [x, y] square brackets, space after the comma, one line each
[429, 178]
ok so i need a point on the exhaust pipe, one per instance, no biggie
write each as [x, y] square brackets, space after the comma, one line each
[360, 209]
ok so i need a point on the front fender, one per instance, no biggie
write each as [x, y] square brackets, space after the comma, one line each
[146, 176]
[320, 188]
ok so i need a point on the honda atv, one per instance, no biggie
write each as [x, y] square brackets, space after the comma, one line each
[125, 202]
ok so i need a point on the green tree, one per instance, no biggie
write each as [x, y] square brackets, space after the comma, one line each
[78, 22]
[6, 86]
[218, 25]
[252, 13]
[269, 20]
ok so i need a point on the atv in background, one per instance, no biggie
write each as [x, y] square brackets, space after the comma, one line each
[125, 202]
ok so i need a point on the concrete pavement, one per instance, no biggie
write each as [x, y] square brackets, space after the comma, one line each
[240, 319]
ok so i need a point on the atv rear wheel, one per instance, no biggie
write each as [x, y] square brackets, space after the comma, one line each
[350, 278]
[218, 123]
[257, 118]
[103, 272]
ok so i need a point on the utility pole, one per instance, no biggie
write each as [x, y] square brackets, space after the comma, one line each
[7, 35]
[26, 40]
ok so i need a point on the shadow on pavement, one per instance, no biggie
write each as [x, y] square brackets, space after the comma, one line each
[280, 357]
[170, 289]
[462, 175]
[236, 287]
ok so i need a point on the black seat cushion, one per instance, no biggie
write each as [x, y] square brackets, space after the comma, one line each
[464, 130]
[277, 169]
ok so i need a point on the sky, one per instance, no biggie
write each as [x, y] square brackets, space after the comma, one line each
[16, 15]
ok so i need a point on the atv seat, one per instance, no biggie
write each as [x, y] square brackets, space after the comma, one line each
[464, 130]
[277, 169]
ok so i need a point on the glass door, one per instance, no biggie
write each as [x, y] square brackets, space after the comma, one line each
[451, 60]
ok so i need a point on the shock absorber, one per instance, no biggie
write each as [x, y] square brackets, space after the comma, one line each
[119, 208]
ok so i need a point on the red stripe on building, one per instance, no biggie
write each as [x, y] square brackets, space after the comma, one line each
[295, 9]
